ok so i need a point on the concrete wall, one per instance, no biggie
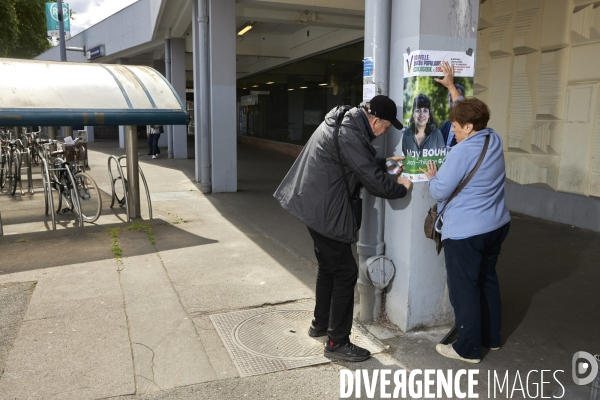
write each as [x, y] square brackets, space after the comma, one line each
[537, 67]
[132, 26]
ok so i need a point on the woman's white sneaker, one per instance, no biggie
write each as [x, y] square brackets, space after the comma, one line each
[448, 351]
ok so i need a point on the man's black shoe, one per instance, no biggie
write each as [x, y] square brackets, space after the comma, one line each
[317, 330]
[346, 352]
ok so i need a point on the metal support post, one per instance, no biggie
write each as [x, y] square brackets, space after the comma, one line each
[202, 102]
[133, 175]
[201, 94]
[67, 131]
[52, 132]
[61, 31]
[371, 237]
[169, 78]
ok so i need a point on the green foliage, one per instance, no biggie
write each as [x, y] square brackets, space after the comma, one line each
[8, 27]
[437, 93]
[23, 27]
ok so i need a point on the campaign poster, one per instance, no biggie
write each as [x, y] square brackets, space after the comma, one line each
[427, 107]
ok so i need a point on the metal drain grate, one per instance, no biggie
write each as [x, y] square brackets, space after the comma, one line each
[276, 338]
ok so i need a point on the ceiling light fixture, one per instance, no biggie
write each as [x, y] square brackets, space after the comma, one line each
[303, 87]
[289, 90]
[322, 84]
[244, 29]
[254, 85]
[270, 83]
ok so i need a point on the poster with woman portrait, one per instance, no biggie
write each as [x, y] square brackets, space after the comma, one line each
[427, 104]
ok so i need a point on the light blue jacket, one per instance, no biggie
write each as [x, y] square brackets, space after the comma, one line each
[479, 207]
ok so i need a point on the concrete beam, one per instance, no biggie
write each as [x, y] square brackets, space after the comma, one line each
[321, 39]
[183, 20]
[301, 17]
[264, 46]
[356, 7]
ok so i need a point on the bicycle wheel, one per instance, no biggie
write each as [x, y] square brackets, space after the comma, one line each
[45, 186]
[35, 157]
[119, 192]
[90, 199]
[13, 168]
[3, 166]
[64, 196]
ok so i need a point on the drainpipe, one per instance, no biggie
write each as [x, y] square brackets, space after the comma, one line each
[370, 244]
[168, 71]
[204, 114]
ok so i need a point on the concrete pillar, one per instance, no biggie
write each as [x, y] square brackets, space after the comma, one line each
[223, 139]
[178, 83]
[90, 133]
[67, 131]
[121, 137]
[371, 239]
[51, 132]
[417, 297]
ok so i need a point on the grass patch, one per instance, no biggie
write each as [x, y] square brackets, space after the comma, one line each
[143, 227]
[116, 249]
[22, 240]
[135, 226]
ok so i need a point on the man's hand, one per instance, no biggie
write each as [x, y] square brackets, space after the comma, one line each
[395, 158]
[405, 182]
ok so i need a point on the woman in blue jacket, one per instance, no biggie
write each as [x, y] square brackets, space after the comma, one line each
[476, 223]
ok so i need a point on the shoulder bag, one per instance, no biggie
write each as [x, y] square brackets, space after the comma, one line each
[434, 220]
[355, 201]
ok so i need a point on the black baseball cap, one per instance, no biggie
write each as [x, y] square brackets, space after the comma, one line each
[383, 107]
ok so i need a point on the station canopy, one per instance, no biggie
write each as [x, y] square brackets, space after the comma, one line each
[65, 94]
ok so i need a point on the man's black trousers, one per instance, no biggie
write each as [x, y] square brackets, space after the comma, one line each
[336, 279]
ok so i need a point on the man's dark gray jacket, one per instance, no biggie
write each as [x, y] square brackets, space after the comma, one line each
[313, 190]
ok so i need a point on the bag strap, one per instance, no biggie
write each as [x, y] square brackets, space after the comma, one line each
[468, 178]
[337, 148]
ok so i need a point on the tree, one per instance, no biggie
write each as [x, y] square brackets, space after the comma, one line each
[8, 27]
[23, 23]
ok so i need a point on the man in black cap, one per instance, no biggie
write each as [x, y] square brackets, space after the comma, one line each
[322, 190]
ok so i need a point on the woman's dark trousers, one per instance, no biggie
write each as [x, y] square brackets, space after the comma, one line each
[336, 279]
[474, 290]
[153, 144]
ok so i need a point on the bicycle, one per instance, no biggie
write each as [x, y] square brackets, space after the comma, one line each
[10, 165]
[75, 188]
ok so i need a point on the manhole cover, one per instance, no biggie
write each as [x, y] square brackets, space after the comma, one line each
[266, 340]
[278, 334]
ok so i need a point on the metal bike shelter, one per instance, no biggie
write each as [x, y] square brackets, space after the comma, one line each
[47, 93]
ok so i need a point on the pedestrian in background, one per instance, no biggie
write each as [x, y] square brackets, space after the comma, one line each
[475, 223]
[153, 133]
[322, 190]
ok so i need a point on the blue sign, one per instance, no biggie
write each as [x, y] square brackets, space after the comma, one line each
[368, 67]
[96, 52]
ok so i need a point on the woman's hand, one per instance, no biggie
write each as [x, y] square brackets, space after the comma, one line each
[448, 80]
[431, 169]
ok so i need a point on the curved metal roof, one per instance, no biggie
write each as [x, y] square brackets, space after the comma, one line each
[59, 93]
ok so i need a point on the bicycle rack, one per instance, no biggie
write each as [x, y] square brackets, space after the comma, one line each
[27, 153]
[51, 199]
[113, 181]
[48, 193]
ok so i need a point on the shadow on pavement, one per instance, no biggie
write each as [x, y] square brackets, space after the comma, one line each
[39, 250]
